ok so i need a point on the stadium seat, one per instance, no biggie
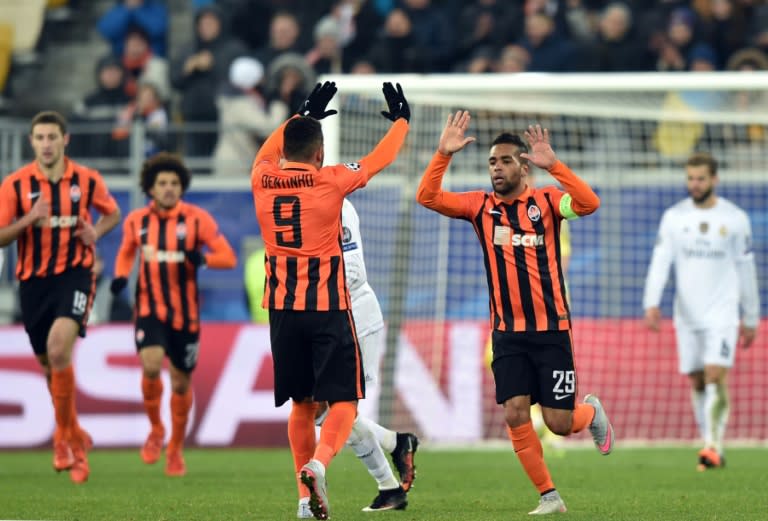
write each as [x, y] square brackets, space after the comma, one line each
[6, 50]
[26, 18]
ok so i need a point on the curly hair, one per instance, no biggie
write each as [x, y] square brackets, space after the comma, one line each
[164, 162]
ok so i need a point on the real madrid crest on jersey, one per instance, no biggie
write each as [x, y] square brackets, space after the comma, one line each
[74, 193]
[534, 213]
[181, 230]
[355, 167]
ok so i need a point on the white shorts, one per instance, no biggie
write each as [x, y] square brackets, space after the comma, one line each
[372, 347]
[700, 347]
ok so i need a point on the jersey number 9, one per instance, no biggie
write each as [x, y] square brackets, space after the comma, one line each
[293, 220]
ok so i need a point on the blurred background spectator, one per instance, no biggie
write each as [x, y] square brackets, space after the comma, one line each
[150, 15]
[200, 69]
[246, 118]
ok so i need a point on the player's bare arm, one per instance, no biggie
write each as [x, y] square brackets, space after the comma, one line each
[453, 137]
[541, 154]
[40, 210]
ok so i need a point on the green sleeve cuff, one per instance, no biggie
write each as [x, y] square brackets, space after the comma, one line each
[565, 208]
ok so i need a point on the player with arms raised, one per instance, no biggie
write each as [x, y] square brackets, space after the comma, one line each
[519, 231]
[314, 344]
[708, 240]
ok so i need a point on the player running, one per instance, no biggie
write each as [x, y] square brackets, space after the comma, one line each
[45, 206]
[169, 235]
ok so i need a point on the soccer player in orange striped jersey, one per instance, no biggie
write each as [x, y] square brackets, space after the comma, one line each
[169, 235]
[45, 207]
[314, 344]
[519, 231]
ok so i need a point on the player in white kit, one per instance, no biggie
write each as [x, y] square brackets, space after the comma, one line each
[716, 306]
[368, 440]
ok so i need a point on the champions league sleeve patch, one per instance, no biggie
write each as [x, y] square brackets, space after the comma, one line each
[355, 167]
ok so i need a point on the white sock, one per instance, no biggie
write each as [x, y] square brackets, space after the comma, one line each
[386, 438]
[721, 413]
[363, 443]
[710, 419]
[697, 398]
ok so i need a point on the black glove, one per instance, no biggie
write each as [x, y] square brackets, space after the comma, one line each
[195, 257]
[398, 105]
[117, 285]
[314, 105]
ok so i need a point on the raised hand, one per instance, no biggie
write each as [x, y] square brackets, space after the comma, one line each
[541, 153]
[452, 139]
[315, 104]
[396, 103]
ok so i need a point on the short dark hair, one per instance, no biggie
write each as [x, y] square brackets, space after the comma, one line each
[302, 137]
[703, 159]
[507, 138]
[49, 117]
[164, 162]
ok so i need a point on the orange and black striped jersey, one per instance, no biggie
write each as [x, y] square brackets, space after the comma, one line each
[298, 208]
[167, 285]
[521, 244]
[50, 247]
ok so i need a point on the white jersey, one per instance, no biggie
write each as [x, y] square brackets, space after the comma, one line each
[714, 265]
[365, 306]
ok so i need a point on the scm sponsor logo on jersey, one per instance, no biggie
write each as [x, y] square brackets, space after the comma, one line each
[151, 254]
[527, 240]
[59, 221]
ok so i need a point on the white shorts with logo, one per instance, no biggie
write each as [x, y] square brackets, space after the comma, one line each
[699, 347]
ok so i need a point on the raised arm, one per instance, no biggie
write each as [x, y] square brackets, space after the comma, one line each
[579, 199]
[314, 106]
[430, 193]
[385, 152]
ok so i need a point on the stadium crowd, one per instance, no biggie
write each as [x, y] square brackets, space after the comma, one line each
[250, 62]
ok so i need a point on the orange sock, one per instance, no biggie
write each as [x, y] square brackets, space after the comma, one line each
[529, 452]
[335, 431]
[180, 405]
[63, 394]
[301, 437]
[152, 389]
[582, 416]
[77, 430]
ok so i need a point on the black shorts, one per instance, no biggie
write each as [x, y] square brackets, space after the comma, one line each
[44, 299]
[181, 347]
[315, 354]
[539, 364]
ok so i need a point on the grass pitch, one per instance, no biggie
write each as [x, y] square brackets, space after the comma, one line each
[483, 485]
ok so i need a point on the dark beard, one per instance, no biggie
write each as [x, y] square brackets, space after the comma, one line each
[703, 197]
